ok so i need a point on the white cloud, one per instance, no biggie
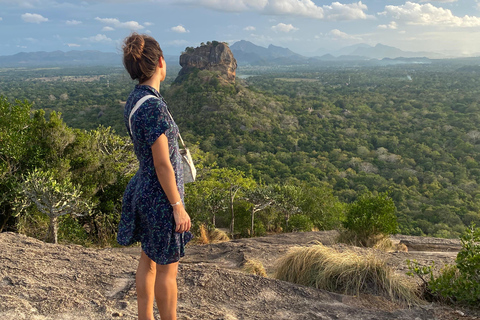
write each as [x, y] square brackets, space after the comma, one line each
[73, 22]
[72, 45]
[148, 24]
[282, 27]
[249, 28]
[445, 1]
[305, 8]
[179, 29]
[429, 15]
[98, 38]
[354, 11]
[337, 34]
[33, 18]
[107, 28]
[1, 18]
[132, 25]
[392, 25]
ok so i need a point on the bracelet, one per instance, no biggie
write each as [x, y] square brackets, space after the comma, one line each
[176, 203]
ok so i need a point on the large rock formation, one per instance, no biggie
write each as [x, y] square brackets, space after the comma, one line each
[215, 56]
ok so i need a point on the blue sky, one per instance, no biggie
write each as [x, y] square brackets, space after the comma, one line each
[304, 26]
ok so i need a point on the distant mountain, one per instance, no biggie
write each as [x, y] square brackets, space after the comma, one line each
[348, 51]
[247, 52]
[60, 58]
[381, 51]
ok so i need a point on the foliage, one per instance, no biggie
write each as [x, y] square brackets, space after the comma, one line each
[459, 283]
[371, 216]
[52, 198]
[416, 136]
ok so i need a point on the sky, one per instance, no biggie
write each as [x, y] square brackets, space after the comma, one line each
[305, 26]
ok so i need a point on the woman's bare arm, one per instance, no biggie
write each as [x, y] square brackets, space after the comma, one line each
[166, 177]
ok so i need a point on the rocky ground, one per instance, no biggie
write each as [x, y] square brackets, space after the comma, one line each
[41, 281]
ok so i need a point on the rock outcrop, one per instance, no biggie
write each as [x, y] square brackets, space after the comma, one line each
[215, 56]
[43, 281]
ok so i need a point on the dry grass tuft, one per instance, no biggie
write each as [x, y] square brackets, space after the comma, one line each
[379, 241]
[400, 247]
[254, 267]
[345, 272]
[206, 237]
[203, 237]
[383, 244]
[217, 235]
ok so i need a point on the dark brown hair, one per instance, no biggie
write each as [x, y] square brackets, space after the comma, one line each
[140, 56]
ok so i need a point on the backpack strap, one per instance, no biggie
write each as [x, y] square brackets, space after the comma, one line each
[135, 108]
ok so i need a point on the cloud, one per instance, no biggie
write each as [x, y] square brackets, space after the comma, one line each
[249, 28]
[282, 27]
[132, 25]
[73, 22]
[107, 28]
[392, 25]
[306, 8]
[354, 11]
[148, 24]
[33, 18]
[1, 18]
[98, 38]
[179, 29]
[429, 15]
[445, 1]
[337, 34]
[73, 45]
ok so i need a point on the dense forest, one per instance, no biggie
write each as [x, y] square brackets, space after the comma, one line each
[294, 146]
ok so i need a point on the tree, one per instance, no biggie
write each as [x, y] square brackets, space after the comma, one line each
[371, 215]
[52, 198]
[234, 182]
[261, 197]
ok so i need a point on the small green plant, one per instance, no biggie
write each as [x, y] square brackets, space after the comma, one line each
[459, 283]
[370, 217]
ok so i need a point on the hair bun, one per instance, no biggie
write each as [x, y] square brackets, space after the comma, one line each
[134, 47]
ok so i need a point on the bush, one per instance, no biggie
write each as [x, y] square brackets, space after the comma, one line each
[371, 216]
[344, 272]
[459, 283]
[300, 222]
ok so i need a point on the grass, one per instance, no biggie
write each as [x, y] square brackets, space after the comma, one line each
[214, 236]
[346, 273]
[253, 266]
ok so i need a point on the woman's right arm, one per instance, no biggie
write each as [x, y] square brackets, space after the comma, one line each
[166, 177]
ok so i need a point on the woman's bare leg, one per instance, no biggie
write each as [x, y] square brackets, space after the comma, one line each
[166, 290]
[145, 282]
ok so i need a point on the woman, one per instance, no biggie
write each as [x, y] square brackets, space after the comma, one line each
[153, 211]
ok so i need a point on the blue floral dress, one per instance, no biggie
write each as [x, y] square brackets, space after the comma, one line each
[147, 215]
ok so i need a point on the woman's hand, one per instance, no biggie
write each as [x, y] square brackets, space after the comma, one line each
[182, 219]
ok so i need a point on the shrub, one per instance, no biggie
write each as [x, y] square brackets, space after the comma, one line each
[459, 283]
[344, 272]
[300, 222]
[371, 216]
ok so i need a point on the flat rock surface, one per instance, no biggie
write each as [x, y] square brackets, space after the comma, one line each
[41, 281]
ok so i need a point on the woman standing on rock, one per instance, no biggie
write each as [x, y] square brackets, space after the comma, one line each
[153, 211]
